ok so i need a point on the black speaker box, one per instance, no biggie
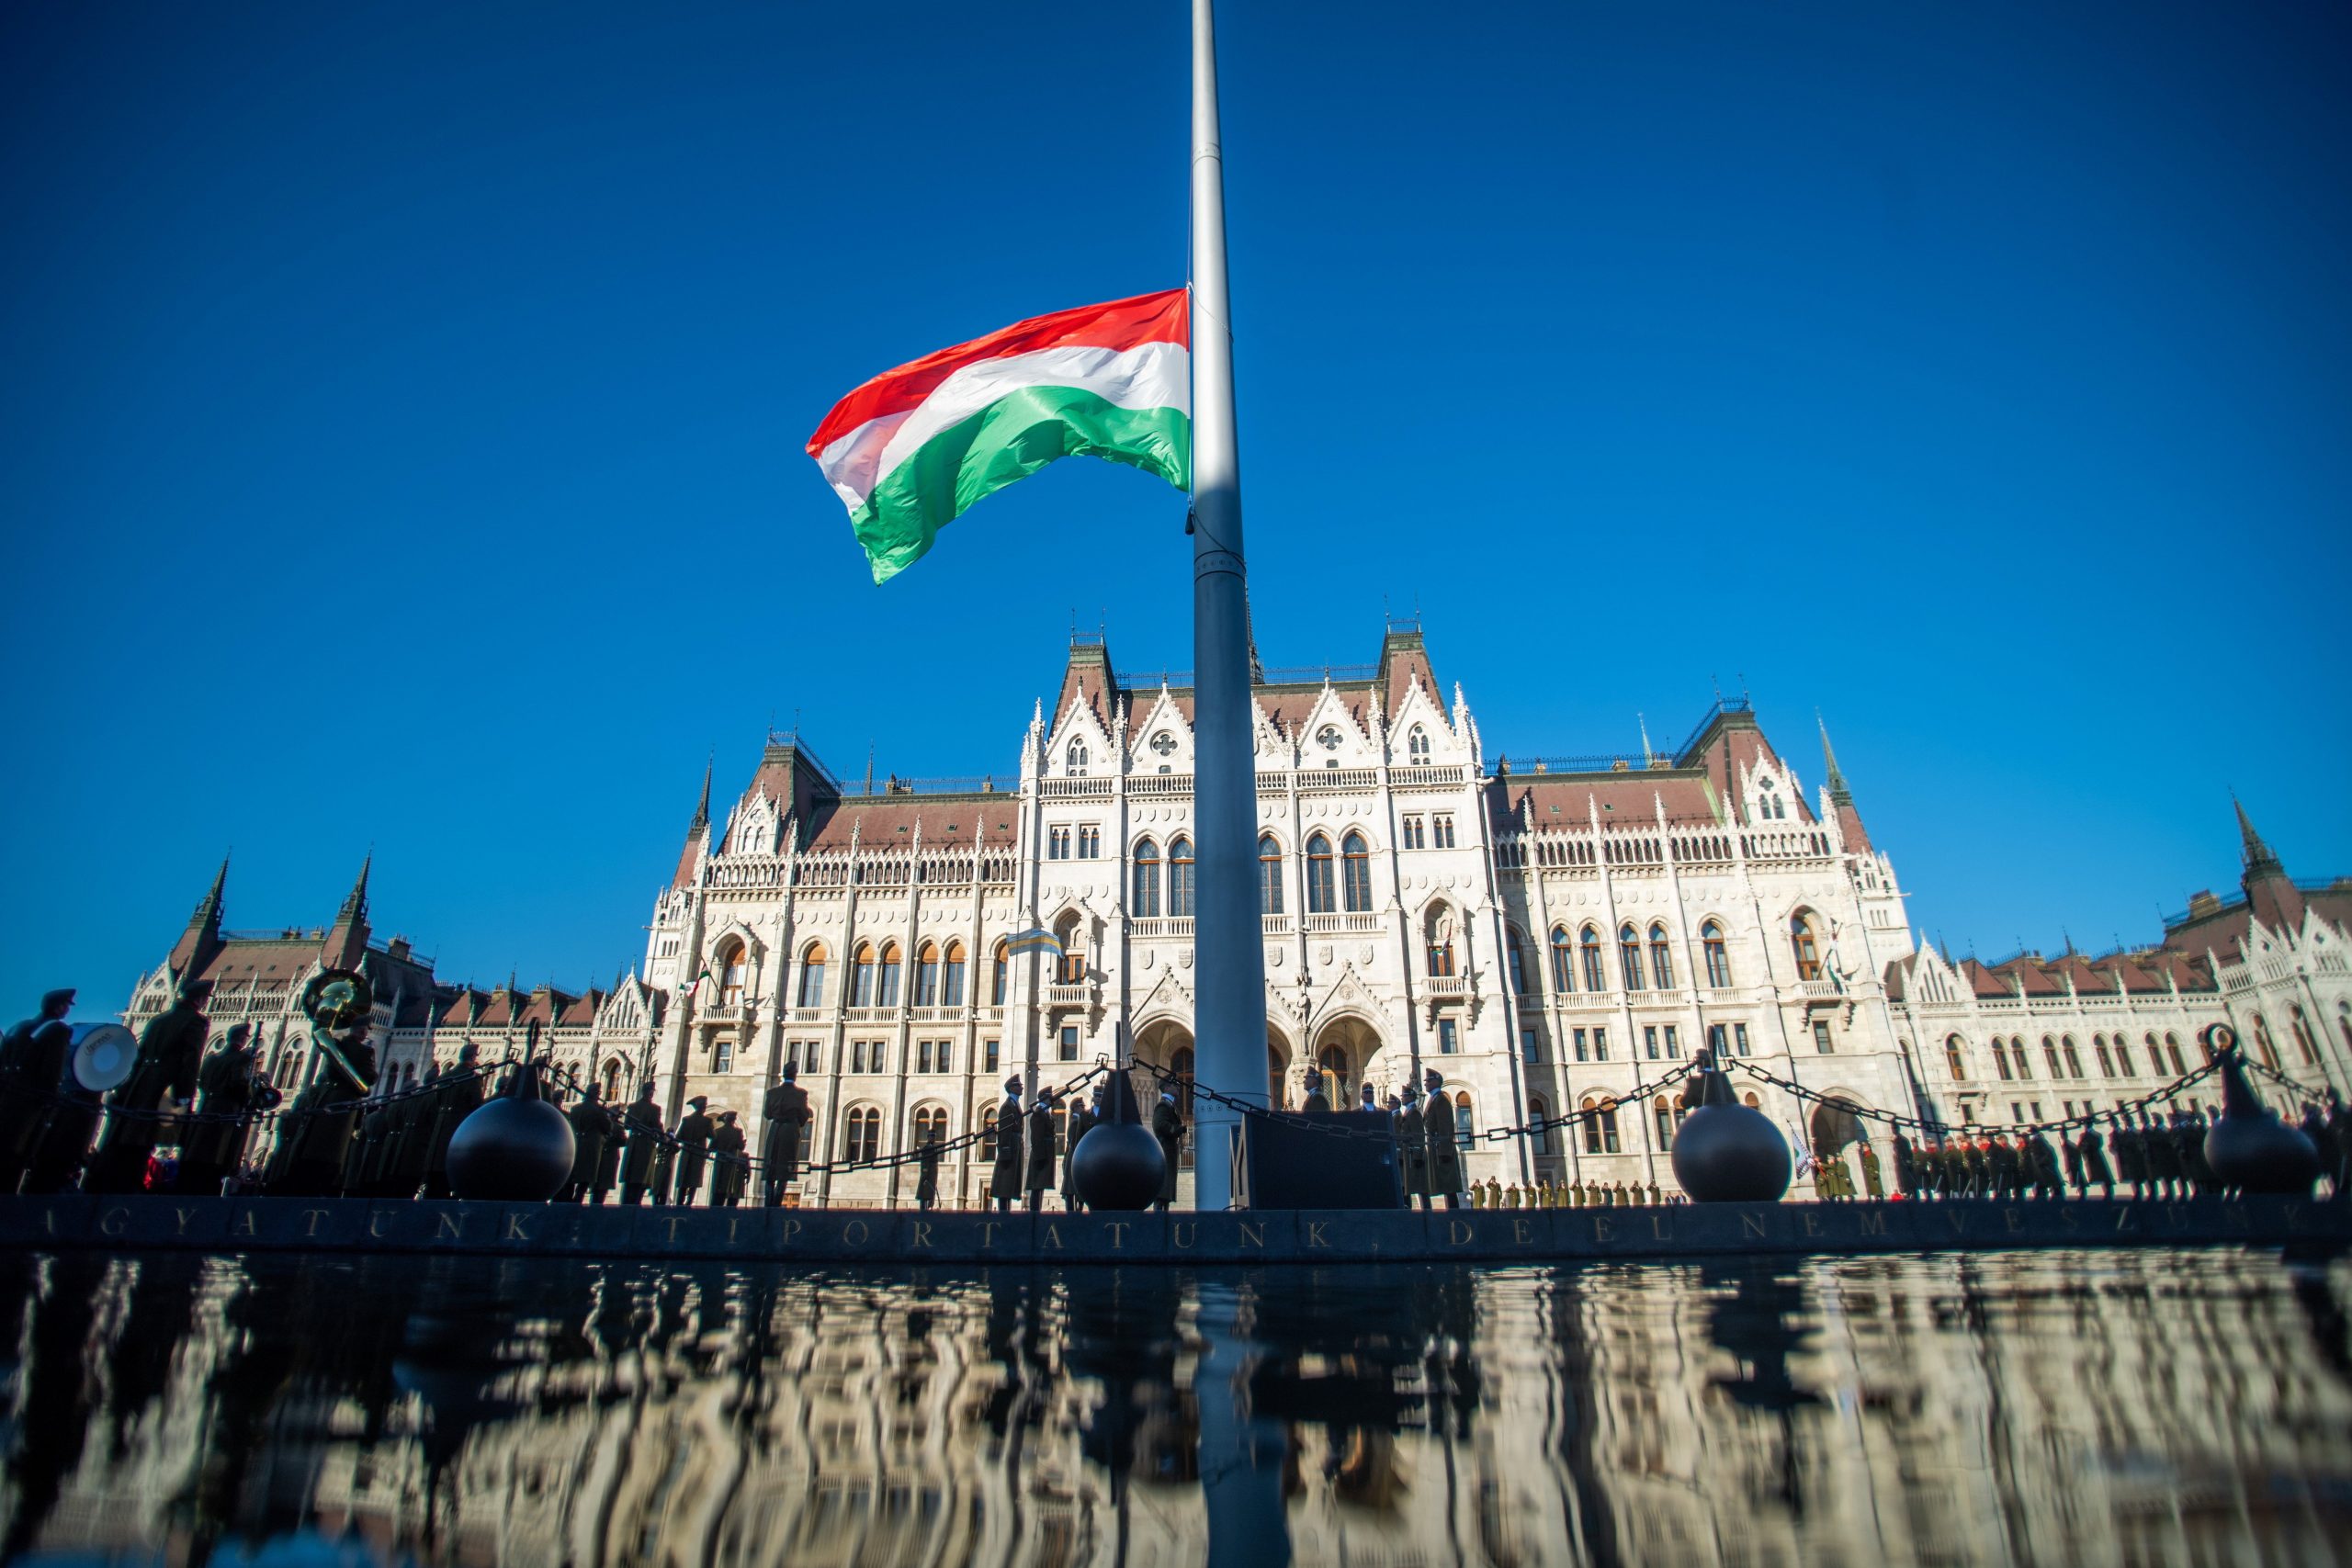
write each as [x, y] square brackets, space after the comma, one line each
[1306, 1162]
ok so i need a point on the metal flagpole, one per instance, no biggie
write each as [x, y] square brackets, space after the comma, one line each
[1229, 1015]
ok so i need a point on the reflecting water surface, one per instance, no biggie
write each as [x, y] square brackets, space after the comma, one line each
[2090, 1407]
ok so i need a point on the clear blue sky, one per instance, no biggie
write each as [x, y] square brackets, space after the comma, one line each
[400, 431]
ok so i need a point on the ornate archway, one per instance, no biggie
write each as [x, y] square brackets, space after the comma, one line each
[1345, 1048]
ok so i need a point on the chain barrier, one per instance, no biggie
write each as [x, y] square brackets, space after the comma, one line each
[1897, 1120]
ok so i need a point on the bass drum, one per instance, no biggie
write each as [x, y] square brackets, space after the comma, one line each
[103, 1056]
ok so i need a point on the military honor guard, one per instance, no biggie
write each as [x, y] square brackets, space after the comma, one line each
[783, 1115]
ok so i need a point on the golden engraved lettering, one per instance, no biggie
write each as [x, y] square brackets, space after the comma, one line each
[791, 1229]
[2123, 1218]
[375, 1224]
[674, 1220]
[1956, 1217]
[48, 1219]
[1659, 1230]
[1118, 1229]
[922, 1232]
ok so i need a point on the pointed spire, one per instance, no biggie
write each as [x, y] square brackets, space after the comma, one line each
[702, 806]
[1644, 723]
[1838, 790]
[208, 908]
[2256, 852]
[355, 903]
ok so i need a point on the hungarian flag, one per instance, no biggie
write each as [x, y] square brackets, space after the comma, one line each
[911, 449]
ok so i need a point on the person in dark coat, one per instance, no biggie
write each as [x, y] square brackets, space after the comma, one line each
[373, 1150]
[2161, 1154]
[728, 1170]
[643, 1122]
[1316, 1103]
[783, 1114]
[458, 1097]
[1004, 1174]
[1413, 1152]
[2073, 1158]
[2092, 1148]
[171, 1051]
[1906, 1164]
[2195, 1168]
[314, 1136]
[212, 1150]
[2041, 1162]
[32, 1071]
[2130, 1155]
[1040, 1136]
[927, 1172]
[1437, 1126]
[693, 1149]
[1168, 1126]
[1081, 1120]
[591, 1126]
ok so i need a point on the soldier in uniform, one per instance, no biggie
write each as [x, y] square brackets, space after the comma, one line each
[2130, 1155]
[314, 1138]
[32, 1069]
[1317, 1103]
[1081, 1120]
[2045, 1162]
[1004, 1174]
[694, 1148]
[1168, 1126]
[2161, 1156]
[726, 1167]
[927, 1171]
[1437, 1127]
[1874, 1179]
[1040, 1139]
[1413, 1152]
[171, 1051]
[643, 1123]
[1907, 1168]
[2194, 1166]
[457, 1096]
[211, 1151]
[2073, 1155]
[591, 1125]
[783, 1114]
[1976, 1157]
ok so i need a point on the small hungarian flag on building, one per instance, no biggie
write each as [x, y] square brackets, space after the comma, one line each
[914, 447]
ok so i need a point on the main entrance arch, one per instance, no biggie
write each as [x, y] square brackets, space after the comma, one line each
[1344, 1051]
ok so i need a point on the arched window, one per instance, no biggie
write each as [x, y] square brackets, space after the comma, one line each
[951, 976]
[1952, 1059]
[1071, 968]
[2301, 1031]
[2074, 1056]
[1356, 878]
[1321, 896]
[1661, 960]
[1333, 1062]
[730, 975]
[1077, 756]
[1538, 1113]
[1629, 957]
[1000, 975]
[864, 1134]
[892, 964]
[812, 975]
[861, 987]
[1417, 745]
[1594, 978]
[1269, 875]
[1146, 902]
[1515, 960]
[1465, 1132]
[1801, 941]
[931, 1126]
[1664, 1113]
[2262, 1045]
[2001, 1060]
[1180, 878]
[1710, 939]
[988, 1136]
[2172, 1049]
[1180, 1067]
[2017, 1058]
[613, 1080]
[2050, 1058]
[2106, 1062]
[1599, 1126]
[927, 976]
[1441, 942]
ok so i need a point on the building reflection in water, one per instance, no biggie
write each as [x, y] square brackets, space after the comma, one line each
[2126, 1407]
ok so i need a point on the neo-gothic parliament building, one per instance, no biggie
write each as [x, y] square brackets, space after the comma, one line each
[1548, 932]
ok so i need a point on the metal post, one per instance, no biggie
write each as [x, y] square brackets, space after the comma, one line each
[1230, 1020]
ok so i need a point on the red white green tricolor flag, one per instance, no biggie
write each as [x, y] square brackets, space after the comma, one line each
[914, 447]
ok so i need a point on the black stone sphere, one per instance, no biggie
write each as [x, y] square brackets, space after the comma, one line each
[1728, 1152]
[2250, 1148]
[1118, 1164]
[516, 1149]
